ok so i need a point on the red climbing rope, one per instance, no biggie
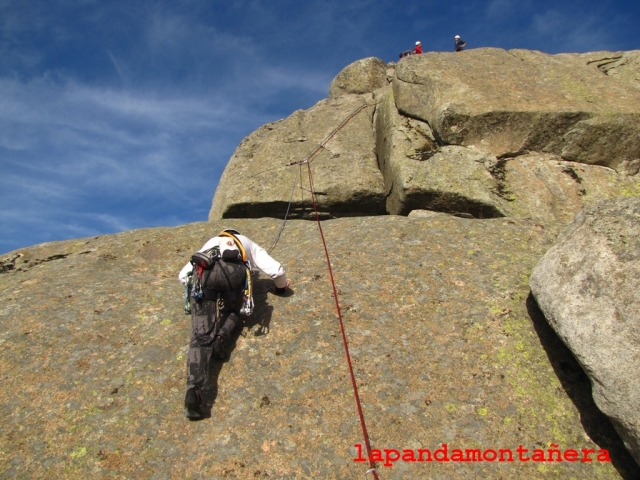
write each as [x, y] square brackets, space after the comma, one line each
[307, 160]
[372, 465]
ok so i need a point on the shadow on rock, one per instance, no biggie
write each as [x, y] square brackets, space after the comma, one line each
[262, 311]
[578, 387]
[260, 317]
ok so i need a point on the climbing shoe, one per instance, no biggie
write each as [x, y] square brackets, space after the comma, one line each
[218, 348]
[192, 405]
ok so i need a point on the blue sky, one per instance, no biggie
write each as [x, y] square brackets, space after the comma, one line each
[122, 114]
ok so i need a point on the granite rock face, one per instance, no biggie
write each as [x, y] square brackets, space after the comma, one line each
[622, 65]
[447, 348]
[544, 186]
[587, 286]
[482, 133]
[485, 133]
[258, 179]
[517, 101]
[421, 174]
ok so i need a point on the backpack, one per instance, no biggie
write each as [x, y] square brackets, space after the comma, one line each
[222, 272]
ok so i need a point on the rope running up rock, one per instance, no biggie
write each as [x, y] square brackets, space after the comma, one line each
[307, 160]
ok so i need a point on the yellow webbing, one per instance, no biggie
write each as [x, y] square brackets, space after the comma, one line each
[238, 244]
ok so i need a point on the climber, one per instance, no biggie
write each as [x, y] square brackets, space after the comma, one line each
[205, 340]
[415, 51]
[460, 44]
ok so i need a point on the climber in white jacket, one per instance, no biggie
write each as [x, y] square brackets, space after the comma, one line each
[207, 341]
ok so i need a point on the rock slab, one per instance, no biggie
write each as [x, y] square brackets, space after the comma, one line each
[444, 347]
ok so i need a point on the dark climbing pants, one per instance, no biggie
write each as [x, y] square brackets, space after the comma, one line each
[203, 332]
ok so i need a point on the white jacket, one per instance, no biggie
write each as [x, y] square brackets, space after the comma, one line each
[256, 255]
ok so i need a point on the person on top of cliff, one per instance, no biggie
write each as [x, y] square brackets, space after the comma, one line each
[418, 49]
[205, 341]
[460, 44]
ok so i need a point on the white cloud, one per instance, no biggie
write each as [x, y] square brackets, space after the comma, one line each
[65, 148]
[283, 78]
[501, 9]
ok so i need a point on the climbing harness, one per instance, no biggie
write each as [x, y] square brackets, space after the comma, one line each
[247, 297]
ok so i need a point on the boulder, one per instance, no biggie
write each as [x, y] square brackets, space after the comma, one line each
[512, 102]
[587, 287]
[258, 181]
[362, 76]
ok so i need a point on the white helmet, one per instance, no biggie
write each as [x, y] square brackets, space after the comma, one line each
[457, 36]
[417, 43]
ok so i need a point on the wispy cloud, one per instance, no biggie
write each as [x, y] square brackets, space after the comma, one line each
[71, 150]
[89, 158]
[502, 10]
